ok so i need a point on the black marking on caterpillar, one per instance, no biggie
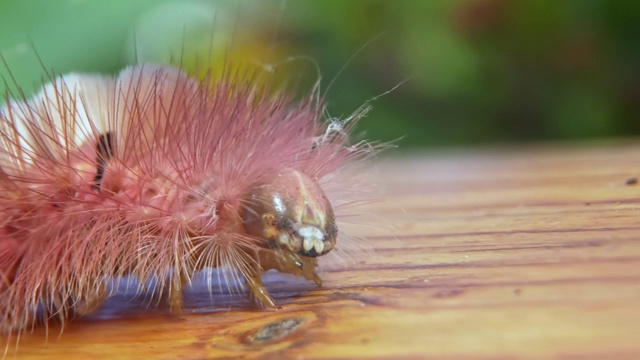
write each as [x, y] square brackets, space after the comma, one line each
[104, 152]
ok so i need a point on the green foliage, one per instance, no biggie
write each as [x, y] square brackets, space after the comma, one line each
[477, 71]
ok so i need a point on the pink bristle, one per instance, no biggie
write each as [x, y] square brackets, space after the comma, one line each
[172, 184]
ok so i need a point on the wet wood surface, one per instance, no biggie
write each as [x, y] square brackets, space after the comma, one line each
[496, 253]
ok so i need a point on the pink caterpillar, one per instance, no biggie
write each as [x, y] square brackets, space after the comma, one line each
[156, 175]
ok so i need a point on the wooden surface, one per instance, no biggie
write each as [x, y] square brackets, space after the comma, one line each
[504, 253]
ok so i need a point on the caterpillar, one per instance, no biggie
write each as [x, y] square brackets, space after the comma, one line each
[158, 175]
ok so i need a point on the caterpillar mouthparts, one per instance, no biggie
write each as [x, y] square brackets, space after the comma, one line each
[157, 175]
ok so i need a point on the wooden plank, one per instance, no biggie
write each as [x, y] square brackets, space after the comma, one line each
[497, 253]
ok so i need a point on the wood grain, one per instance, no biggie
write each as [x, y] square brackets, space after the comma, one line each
[497, 253]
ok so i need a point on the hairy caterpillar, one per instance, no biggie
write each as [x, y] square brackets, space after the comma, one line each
[157, 175]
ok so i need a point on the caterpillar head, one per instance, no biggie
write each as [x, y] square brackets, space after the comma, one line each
[291, 212]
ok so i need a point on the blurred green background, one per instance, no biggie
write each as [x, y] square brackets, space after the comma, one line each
[477, 71]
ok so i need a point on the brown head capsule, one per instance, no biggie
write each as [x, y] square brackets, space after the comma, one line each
[291, 211]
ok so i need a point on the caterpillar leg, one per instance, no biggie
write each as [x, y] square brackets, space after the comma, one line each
[282, 261]
[291, 263]
[175, 294]
[259, 292]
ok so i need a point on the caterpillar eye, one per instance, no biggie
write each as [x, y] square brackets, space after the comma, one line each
[291, 212]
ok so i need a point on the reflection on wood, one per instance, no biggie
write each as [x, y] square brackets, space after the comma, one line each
[497, 253]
